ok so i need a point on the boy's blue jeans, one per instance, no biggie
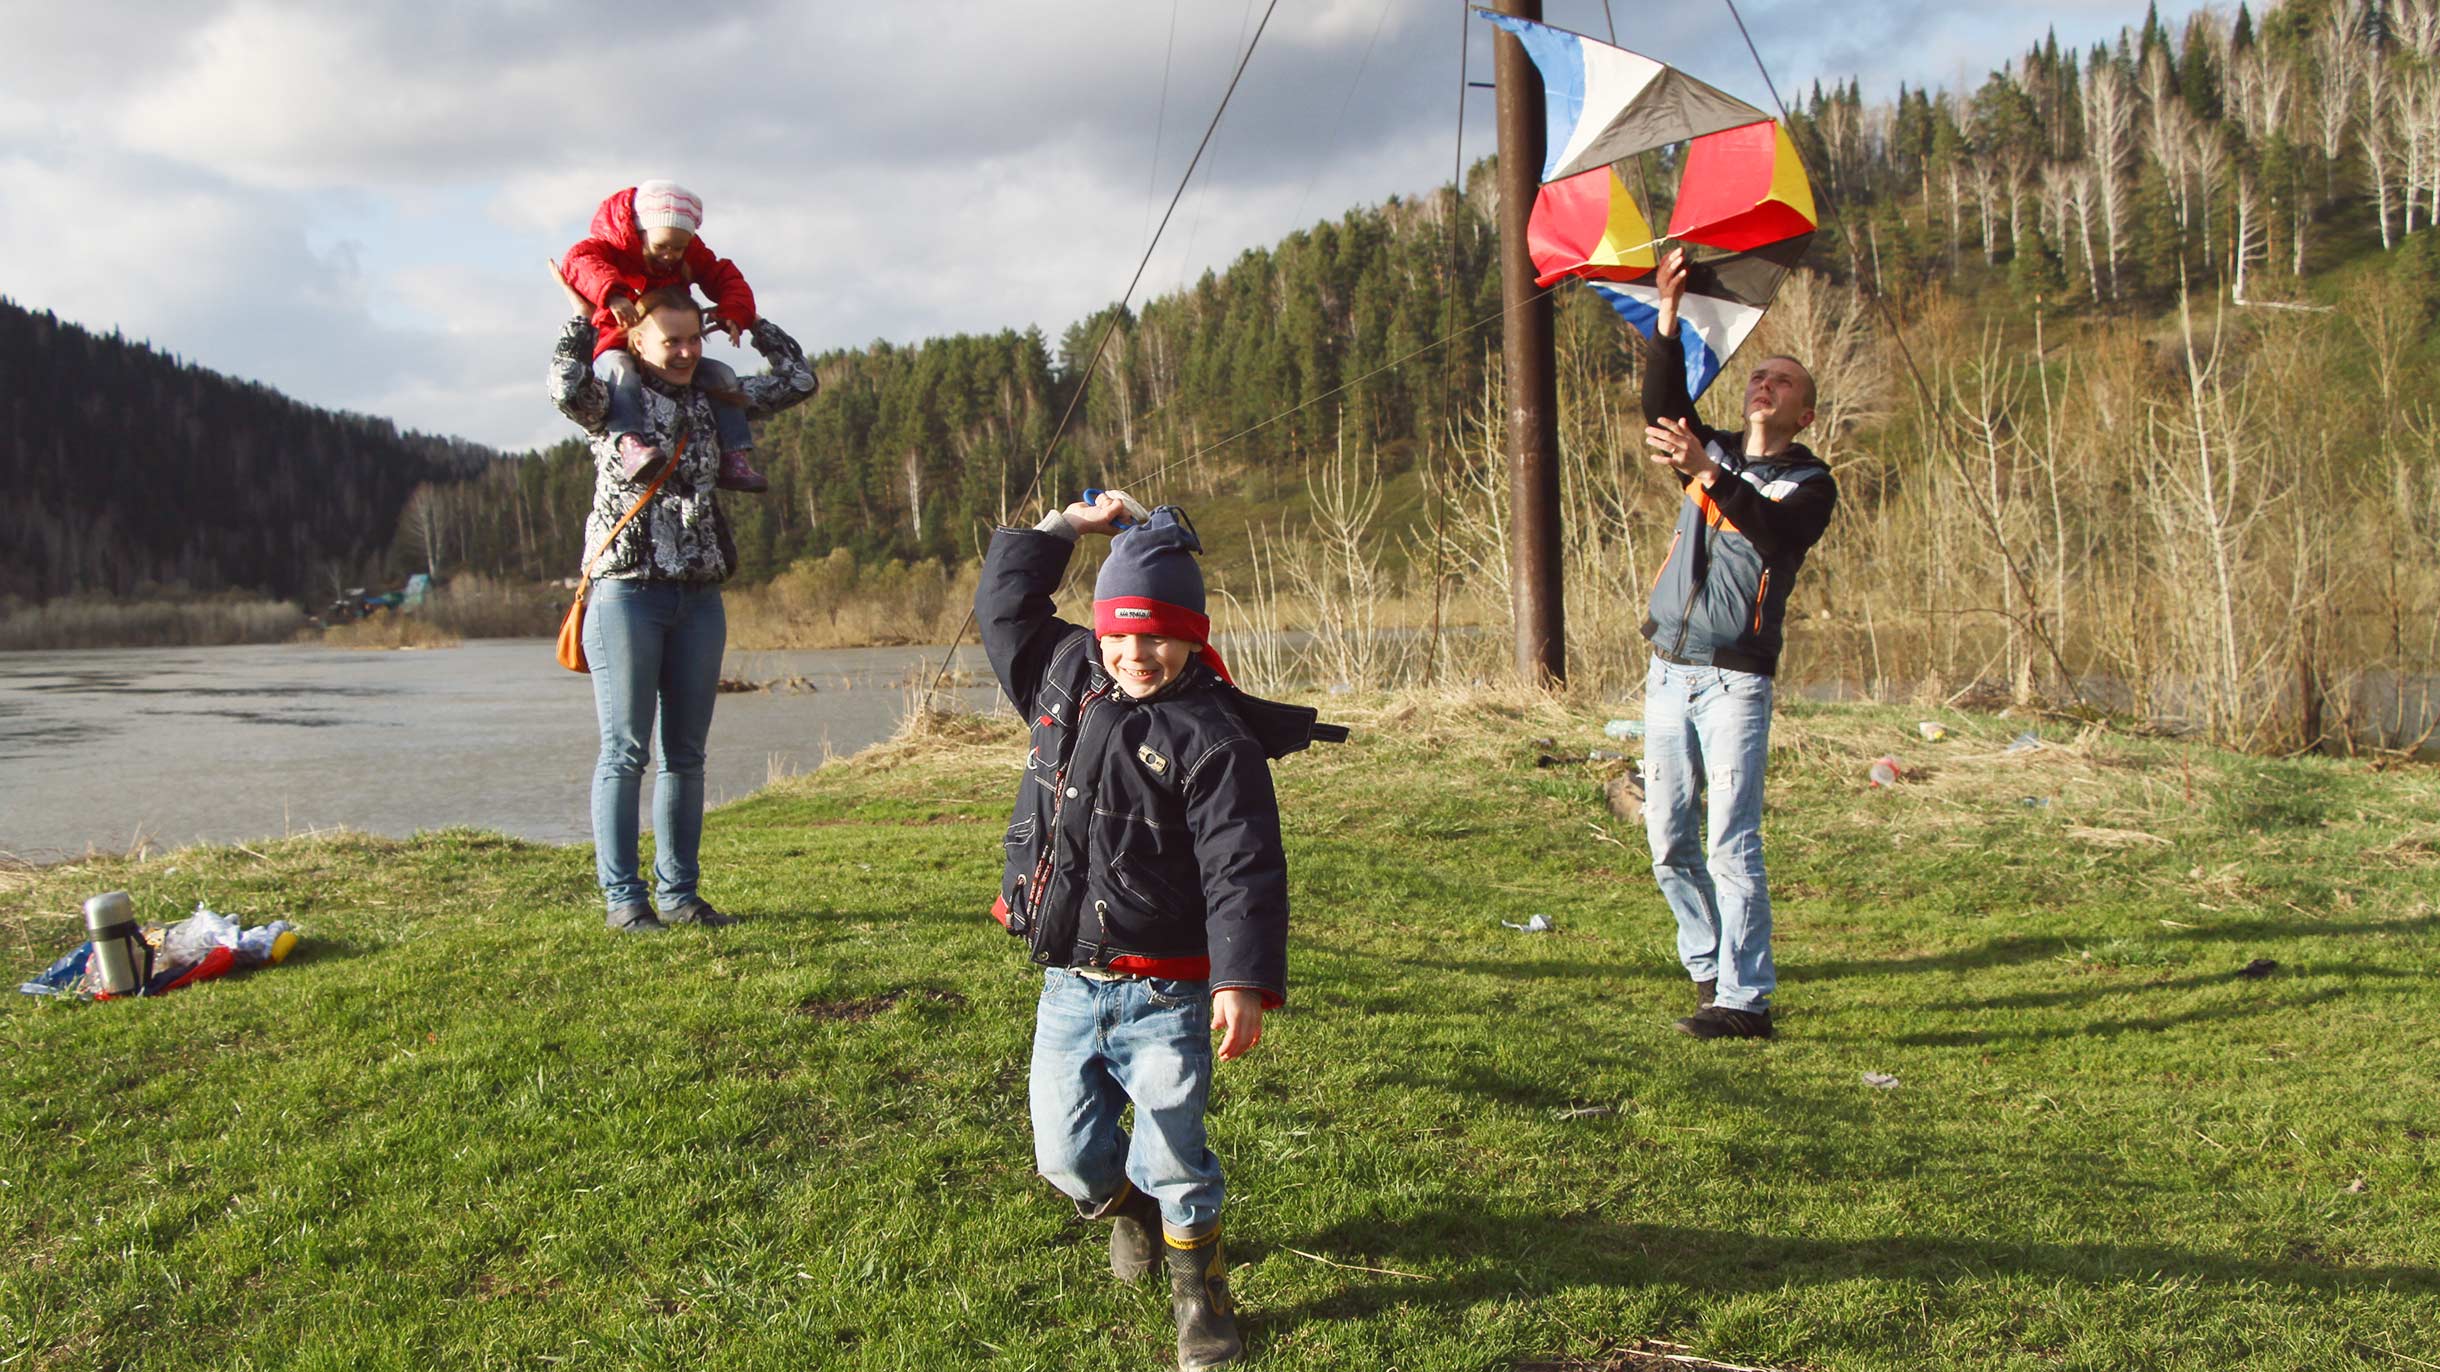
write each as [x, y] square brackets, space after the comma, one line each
[1707, 733]
[1100, 1044]
[654, 648]
[618, 370]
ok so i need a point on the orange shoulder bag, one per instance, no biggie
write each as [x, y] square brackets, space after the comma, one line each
[572, 628]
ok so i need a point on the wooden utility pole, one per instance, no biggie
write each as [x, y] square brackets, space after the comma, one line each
[1534, 573]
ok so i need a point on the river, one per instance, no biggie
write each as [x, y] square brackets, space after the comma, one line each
[110, 749]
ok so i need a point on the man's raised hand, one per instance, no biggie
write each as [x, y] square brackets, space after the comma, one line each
[1670, 282]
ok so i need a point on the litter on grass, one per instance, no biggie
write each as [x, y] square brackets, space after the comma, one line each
[2026, 742]
[200, 947]
[1885, 771]
[1881, 1081]
[1539, 924]
[1624, 728]
[1932, 730]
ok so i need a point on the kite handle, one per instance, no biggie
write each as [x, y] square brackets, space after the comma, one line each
[1135, 511]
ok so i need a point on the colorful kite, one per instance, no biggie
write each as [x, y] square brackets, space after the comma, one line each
[1743, 200]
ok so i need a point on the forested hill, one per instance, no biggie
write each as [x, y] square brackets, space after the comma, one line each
[131, 470]
[2257, 156]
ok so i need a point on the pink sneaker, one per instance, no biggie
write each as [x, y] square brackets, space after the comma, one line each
[738, 474]
[637, 459]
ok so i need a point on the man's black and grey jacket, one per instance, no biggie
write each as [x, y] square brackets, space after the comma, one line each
[1146, 833]
[1722, 591]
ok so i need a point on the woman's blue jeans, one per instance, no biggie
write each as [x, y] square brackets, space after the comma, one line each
[654, 648]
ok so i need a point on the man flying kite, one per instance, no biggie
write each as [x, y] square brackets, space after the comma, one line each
[1755, 502]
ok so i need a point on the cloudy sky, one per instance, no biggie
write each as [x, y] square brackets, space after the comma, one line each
[353, 201]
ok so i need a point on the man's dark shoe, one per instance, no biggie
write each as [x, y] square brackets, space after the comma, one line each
[1199, 1300]
[634, 919]
[697, 912]
[1719, 1022]
[1704, 991]
[1135, 1232]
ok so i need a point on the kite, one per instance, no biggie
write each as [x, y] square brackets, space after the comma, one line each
[1743, 200]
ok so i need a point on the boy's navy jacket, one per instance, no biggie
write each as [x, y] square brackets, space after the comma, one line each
[1146, 832]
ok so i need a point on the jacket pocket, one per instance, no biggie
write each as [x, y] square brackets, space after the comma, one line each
[1150, 888]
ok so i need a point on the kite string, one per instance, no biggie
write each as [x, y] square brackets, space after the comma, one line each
[1084, 379]
[1931, 406]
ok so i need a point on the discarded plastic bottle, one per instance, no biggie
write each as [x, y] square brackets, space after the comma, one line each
[1885, 771]
[1932, 730]
[1624, 728]
[110, 920]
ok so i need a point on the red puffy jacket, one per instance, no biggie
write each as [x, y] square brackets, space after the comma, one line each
[614, 257]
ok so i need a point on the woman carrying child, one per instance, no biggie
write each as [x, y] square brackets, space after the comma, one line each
[654, 626]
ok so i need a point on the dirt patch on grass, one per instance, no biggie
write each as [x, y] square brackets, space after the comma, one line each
[858, 1009]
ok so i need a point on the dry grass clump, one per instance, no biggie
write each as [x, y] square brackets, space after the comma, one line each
[473, 605]
[390, 630]
[87, 621]
[839, 602]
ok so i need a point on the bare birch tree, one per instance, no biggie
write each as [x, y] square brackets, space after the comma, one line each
[2109, 130]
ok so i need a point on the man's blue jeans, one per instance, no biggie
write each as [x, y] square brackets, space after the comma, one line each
[1707, 734]
[618, 370]
[655, 648]
[1100, 1044]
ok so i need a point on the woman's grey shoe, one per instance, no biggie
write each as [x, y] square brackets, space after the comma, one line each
[634, 919]
[699, 912]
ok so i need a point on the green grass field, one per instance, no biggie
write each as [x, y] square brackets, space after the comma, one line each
[467, 1128]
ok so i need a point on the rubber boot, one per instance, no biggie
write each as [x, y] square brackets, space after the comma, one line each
[638, 459]
[1199, 1300]
[1135, 1231]
[737, 473]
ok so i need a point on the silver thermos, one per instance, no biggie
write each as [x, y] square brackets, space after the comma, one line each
[118, 942]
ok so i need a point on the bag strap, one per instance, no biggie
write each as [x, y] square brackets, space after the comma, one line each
[637, 508]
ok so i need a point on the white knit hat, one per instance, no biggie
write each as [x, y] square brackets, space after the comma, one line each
[667, 205]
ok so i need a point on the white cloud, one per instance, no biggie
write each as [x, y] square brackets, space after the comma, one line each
[352, 203]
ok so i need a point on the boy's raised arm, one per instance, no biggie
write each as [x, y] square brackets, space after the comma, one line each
[1013, 609]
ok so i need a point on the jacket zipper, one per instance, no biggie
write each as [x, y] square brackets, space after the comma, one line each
[1674, 536]
[1693, 588]
[1060, 788]
[1761, 596]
